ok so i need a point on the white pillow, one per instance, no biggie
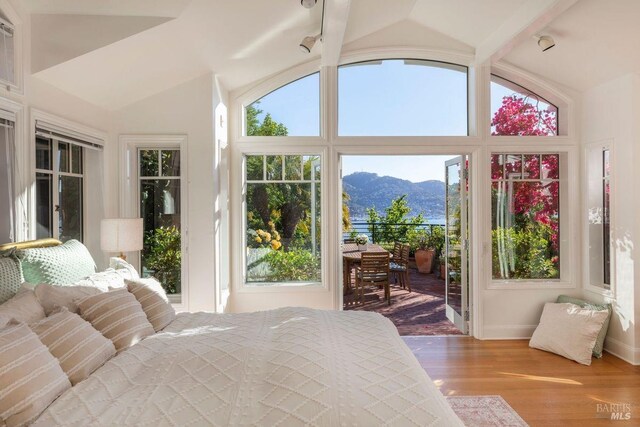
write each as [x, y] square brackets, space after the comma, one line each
[153, 299]
[569, 331]
[23, 307]
[52, 297]
[118, 263]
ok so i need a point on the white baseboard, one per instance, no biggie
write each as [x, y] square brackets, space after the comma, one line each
[508, 332]
[623, 351]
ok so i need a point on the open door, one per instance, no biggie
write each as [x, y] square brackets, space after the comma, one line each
[456, 242]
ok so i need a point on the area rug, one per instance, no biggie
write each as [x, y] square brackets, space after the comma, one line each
[485, 411]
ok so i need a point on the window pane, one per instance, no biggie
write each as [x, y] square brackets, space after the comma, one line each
[550, 166]
[43, 205]
[532, 166]
[70, 210]
[518, 111]
[160, 210]
[293, 109]
[513, 165]
[148, 162]
[255, 168]
[63, 157]
[76, 159]
[7, 43]
[284, 229]
[402, 98]
[497, 166]
[598, 194]
[43, 153]
[170, 162]
[274, 168]
[525, 229]
[606, 234]
[293, 168]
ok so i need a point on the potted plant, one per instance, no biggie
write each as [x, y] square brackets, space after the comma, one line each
[425, 252]
[361, 241]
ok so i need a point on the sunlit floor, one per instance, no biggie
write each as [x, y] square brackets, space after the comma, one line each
[545, 389]
[420, 312]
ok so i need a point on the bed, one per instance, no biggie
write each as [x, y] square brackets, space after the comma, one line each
[291, 366]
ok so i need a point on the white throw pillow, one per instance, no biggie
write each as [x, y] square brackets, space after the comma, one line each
[52, 297]
[118, 263]
[569, 331]
[23, 307]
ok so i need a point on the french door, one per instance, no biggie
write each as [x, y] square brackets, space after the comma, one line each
[456, 242]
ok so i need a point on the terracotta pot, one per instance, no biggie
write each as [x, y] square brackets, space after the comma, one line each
[424, 260]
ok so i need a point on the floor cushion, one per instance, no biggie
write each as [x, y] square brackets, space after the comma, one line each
[599, 346]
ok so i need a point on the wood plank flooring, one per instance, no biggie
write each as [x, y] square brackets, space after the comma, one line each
[545, 389]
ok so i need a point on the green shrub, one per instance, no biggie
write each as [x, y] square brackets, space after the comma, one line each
[526, 253]
[163, 256]
[294, 266]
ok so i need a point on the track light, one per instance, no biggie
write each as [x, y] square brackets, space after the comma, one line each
[546, 42]
[308, 4]
[308, 42]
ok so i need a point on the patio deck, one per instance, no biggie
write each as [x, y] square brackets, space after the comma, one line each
[421, 312]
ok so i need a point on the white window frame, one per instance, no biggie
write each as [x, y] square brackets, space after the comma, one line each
[55, 174]
[16, 86]
[241, 266]
[130, 196]
[599, 146]
[568, 230]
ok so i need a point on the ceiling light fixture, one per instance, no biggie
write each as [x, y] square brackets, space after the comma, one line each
[546, 43]
[308, 4]
[308, 42]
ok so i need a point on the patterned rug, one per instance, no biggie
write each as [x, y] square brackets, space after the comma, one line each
[485, 411]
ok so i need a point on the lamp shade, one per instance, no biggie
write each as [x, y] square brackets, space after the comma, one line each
[121, 234]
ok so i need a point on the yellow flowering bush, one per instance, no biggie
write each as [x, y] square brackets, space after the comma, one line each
[265, 239]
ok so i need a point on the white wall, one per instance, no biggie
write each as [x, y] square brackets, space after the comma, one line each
[189, 109]
[612, 112]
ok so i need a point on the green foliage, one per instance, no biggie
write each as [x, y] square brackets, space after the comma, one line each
[293, 266]
[527, 253]
[163, 257]
[428, 238]
[394, 225]
[346, 215]
[268, 127]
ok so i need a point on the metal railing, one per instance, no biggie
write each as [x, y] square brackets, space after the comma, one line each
[374, 230]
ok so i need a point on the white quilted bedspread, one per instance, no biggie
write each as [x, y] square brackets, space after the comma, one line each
[286, 367]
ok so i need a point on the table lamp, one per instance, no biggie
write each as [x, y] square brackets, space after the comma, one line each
[121, 235]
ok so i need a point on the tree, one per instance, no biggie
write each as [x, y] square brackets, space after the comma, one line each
[268, 127]
[394, 225]
[346, 214]
[533, 236]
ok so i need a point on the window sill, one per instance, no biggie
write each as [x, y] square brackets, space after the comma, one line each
[283, 287]
[606, 293]
[530, 284]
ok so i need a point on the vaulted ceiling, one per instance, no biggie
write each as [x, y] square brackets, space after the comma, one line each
[118, 52]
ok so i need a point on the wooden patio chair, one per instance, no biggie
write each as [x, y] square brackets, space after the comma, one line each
[397, 250]
[373, 271]
[399, 266]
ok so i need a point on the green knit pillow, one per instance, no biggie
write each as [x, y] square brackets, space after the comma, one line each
[57, 265]
[10, 275]
[598, 348]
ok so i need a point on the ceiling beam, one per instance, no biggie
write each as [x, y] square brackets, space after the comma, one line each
[336, 14]
[531, 17]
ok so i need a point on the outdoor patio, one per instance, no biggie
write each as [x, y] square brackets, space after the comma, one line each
[421, 312]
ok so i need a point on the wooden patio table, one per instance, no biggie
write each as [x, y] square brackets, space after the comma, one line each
[352, 256]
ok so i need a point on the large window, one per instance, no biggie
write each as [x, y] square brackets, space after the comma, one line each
[159, 177]
[517, 111]
[525, 210]
[7, 176]
[283, 219]
[59, 189]
[7, 47]
[402, 97]
[291, 110]
[598, 170]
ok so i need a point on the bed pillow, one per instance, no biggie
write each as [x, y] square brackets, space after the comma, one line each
[52, 297]
[118, 316]
[57, 265]
[599, 346]
[79, 348]
[106, 280]
[23, 307]
[30, 377]
[568, 330]
[10, 275]
[154, 301]
[118, 263]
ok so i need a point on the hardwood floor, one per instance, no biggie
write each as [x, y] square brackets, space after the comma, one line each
[545, 389]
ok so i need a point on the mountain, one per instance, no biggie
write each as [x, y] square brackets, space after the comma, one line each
[371, 190]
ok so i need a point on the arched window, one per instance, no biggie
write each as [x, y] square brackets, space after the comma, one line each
[518, 111]
[291, 110]
[402, 97]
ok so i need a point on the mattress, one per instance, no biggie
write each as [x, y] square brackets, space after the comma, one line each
[284, 367]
